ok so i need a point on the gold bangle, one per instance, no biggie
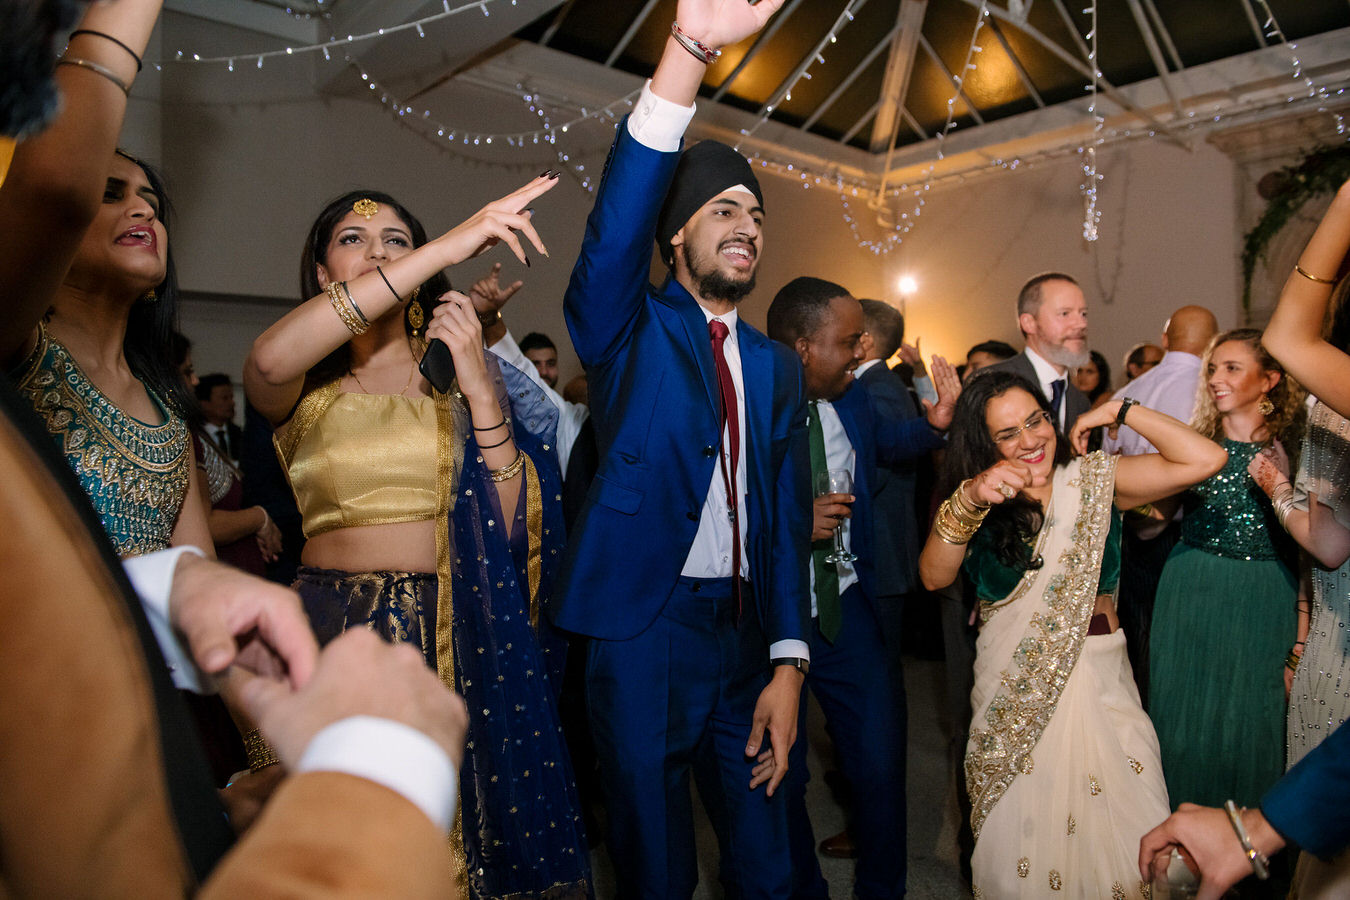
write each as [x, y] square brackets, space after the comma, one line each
[345, 313]
[97, 70]
[351, 301]
[506, 473]
[260, 753]
[1311, 277]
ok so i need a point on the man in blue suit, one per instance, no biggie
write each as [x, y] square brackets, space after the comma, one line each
[687, 564]
[849, 674]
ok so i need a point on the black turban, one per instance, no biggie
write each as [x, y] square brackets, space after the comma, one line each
[705, 170]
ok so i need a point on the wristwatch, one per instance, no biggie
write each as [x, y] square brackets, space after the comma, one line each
[797, 662]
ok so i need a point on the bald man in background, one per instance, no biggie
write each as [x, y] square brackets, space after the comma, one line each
[1168, 387]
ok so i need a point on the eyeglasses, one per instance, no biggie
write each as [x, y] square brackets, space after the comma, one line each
[1035, 420]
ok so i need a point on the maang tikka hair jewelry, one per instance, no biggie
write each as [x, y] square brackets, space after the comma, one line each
[366, 207]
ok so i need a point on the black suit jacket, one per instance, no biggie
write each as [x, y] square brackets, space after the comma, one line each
[896, 527]
[1075, 401]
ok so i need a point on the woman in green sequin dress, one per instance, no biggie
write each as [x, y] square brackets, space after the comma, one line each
[1225, 614]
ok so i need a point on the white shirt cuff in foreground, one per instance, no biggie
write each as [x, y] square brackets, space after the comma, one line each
[790, 648]
[390, 753]
[657, 123]
[151, 577]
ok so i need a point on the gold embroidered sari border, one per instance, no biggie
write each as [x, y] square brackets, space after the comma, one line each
[1032, 682]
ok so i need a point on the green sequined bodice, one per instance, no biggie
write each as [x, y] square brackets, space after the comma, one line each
[1234, 518]
[135, 474]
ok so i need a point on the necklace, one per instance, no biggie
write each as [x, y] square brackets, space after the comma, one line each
[403, 392]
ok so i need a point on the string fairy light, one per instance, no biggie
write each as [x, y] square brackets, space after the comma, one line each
[1273, 31]
[815, 57]
[901, 227]
[326, 47]
[1092, 214]
[876, 190]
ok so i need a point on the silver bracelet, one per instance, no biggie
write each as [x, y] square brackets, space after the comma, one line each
[97, 70]
[1260, 862]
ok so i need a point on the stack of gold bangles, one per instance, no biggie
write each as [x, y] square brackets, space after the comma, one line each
[1283, 502]
[959, 517]
[507, 472]
[346, 307]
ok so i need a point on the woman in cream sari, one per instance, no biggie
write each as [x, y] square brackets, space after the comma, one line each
[1062, 763]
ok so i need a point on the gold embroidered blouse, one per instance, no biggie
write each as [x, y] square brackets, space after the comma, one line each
[135, 473]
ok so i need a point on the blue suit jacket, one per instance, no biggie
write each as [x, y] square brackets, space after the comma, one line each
[654, 402]
[876, 439]
[1310, 805]
[897, 522]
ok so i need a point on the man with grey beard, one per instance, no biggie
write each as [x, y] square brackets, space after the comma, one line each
[1052, 313]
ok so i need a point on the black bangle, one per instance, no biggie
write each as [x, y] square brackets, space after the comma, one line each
[498, 444]
[1124, 408]
[494, 427]
[385, 278]
[109, 37]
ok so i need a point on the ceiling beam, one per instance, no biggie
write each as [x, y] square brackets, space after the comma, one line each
[257, 17]
[1022, 74]
[632, 30]
[1081, 67]
[852, 76]
[1256, 26]
[784, 89]
[556, 23]
[899, 68]
[1155, 53]
[1161, 28]
[857, 126]
[761, 39]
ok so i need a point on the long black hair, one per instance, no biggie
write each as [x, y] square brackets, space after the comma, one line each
[971, 449]
[316, 254]
[152, 322]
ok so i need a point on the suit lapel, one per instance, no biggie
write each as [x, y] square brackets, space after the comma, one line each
[757, 374]
[695, 326]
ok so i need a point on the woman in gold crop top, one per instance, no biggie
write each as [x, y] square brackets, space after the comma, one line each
[432, 518]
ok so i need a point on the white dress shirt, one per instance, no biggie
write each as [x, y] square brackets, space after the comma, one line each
[1047, 375]
[390, 753]
[838, 455]
[570, 415]
[710, 554]
[1169, 387]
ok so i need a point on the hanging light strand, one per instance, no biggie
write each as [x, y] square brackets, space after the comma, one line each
[1092, 214]
[327, 47]
[1273, 31]
[816, 57]
[899, 228]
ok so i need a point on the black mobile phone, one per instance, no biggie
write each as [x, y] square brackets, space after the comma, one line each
[438, 366]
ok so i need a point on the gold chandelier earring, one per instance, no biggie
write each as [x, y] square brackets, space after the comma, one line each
[149, 296]
[1265, 407]
[416, 317]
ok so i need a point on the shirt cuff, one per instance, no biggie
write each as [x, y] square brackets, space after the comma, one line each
[151, 577]
[923, 386]
[657, 123]
[790, 649]
[390, 753]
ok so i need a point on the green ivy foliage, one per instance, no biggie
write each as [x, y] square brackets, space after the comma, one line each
[1322, 171]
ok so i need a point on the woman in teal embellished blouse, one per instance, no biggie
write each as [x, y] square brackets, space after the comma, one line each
[91, 293]
[1225, 615]
[1062, 763]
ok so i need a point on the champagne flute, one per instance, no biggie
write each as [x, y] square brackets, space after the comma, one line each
[836, 481]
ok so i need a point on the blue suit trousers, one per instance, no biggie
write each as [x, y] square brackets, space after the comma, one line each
[852, 681]
[678, 698]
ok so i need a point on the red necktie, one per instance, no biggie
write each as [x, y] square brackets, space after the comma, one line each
[731, 424]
